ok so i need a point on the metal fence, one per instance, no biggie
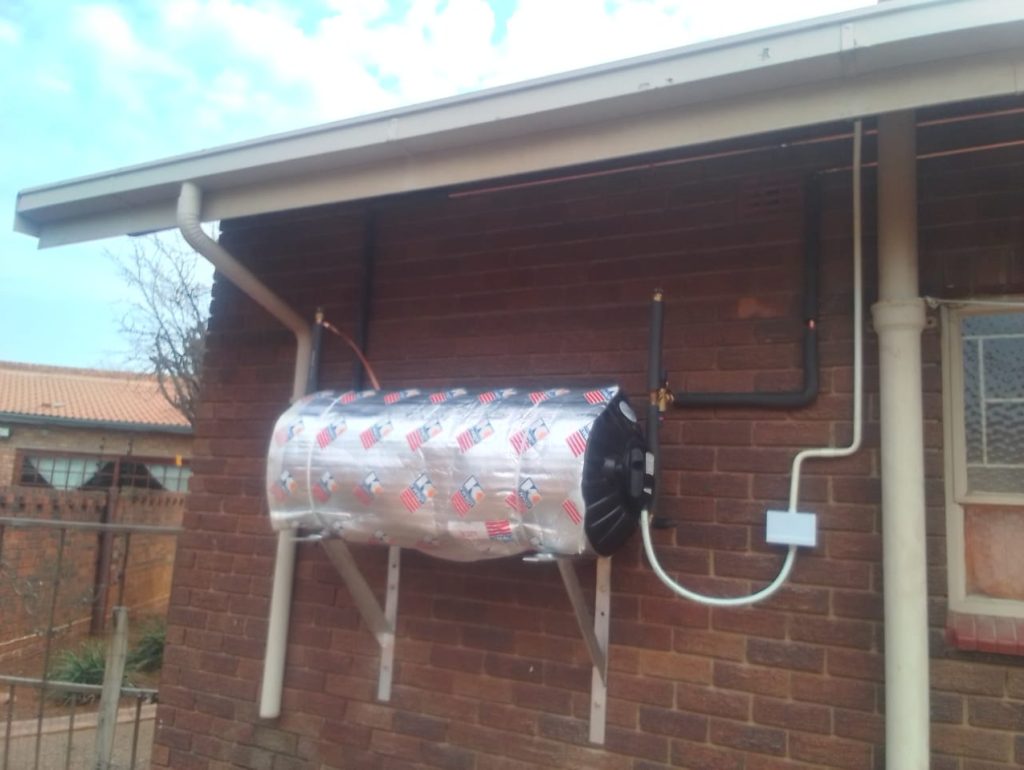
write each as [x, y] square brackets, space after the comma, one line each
[45, 742]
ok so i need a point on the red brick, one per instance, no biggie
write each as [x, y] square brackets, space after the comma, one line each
[508, 718]
[643, 745]
[791, 434]
[966, 678]
[967, 742]
[946, 707]
[832, 752]
[675, 666]
[658, 692]
[792, 716]
[836, 633]
[760, 740]
[676, 724]
[715, 485]
[427, 728]
[456, 658]
[855, 664]
[857, 604]
[799, 657]
[747, 460]
[753, 679]
[832, 572]
[673, 612]
[1015, 683]
[540, 752]
[713, 701]
[853, 545]
[641, 634]
[703, 757]
[510, 667]
[848, 693]
[539, 698]
[750, 621]
[710, 644]
[995, 714]
[859, 725]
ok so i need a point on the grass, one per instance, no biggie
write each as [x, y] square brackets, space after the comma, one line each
[86, 663]
[83, 665]
[148, 653]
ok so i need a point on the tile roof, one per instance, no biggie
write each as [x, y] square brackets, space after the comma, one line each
[87, 395]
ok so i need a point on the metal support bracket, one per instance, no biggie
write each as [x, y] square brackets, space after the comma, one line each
[382, 623]
[595, 635]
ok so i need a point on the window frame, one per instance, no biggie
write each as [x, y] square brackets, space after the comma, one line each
[22, 453]
[955, 466]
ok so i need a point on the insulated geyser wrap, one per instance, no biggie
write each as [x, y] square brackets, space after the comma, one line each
[461, 474]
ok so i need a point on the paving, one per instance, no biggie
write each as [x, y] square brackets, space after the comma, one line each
[53, 742]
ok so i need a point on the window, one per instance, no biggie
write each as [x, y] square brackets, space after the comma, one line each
[67, 472]
[60, 472]
[983, 382]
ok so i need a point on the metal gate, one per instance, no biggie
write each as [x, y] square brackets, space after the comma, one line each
[118, 733]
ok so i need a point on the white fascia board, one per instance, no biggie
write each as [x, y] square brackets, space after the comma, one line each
[877, 58]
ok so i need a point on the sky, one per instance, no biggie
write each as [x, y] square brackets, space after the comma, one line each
[90, 87]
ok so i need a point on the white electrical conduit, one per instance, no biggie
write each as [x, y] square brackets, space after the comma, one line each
[806, 454]
[190, 203]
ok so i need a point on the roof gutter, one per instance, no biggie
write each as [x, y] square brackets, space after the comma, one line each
[17, 418]
[189, 210]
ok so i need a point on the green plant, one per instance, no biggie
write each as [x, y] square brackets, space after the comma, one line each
[83, 665]
[148, 653]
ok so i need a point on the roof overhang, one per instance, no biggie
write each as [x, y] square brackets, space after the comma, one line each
[17, 418]
[895, 56]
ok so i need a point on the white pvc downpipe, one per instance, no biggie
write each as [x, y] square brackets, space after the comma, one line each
[822, 453]
[190, 203]
[899, 318]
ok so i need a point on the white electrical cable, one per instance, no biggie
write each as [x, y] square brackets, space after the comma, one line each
[806, 454]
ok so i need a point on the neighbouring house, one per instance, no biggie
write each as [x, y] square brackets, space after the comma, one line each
[88, 429]
[513, 238]
[85, 445]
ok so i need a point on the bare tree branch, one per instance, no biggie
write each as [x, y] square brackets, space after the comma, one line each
[165, 326]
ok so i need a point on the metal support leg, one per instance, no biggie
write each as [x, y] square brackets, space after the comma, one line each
[381, 623]
[595, 635]
[387, 642]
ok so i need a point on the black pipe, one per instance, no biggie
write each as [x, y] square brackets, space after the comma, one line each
[316, 343]
[654, 374]
[362, 330]
[656, 395]
[791, 399]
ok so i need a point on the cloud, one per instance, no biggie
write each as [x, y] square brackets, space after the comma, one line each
[241, 69]
[9, 33]
[104, 26]
[51, 82]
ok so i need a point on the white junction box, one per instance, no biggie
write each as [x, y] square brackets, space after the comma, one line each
[792, 528]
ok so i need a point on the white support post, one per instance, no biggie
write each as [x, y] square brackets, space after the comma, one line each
[382, 623]
[595, 635]
[113, 675]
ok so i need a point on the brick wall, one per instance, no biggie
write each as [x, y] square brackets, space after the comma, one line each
[34, 564]
[550, 284]
[29, 570]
